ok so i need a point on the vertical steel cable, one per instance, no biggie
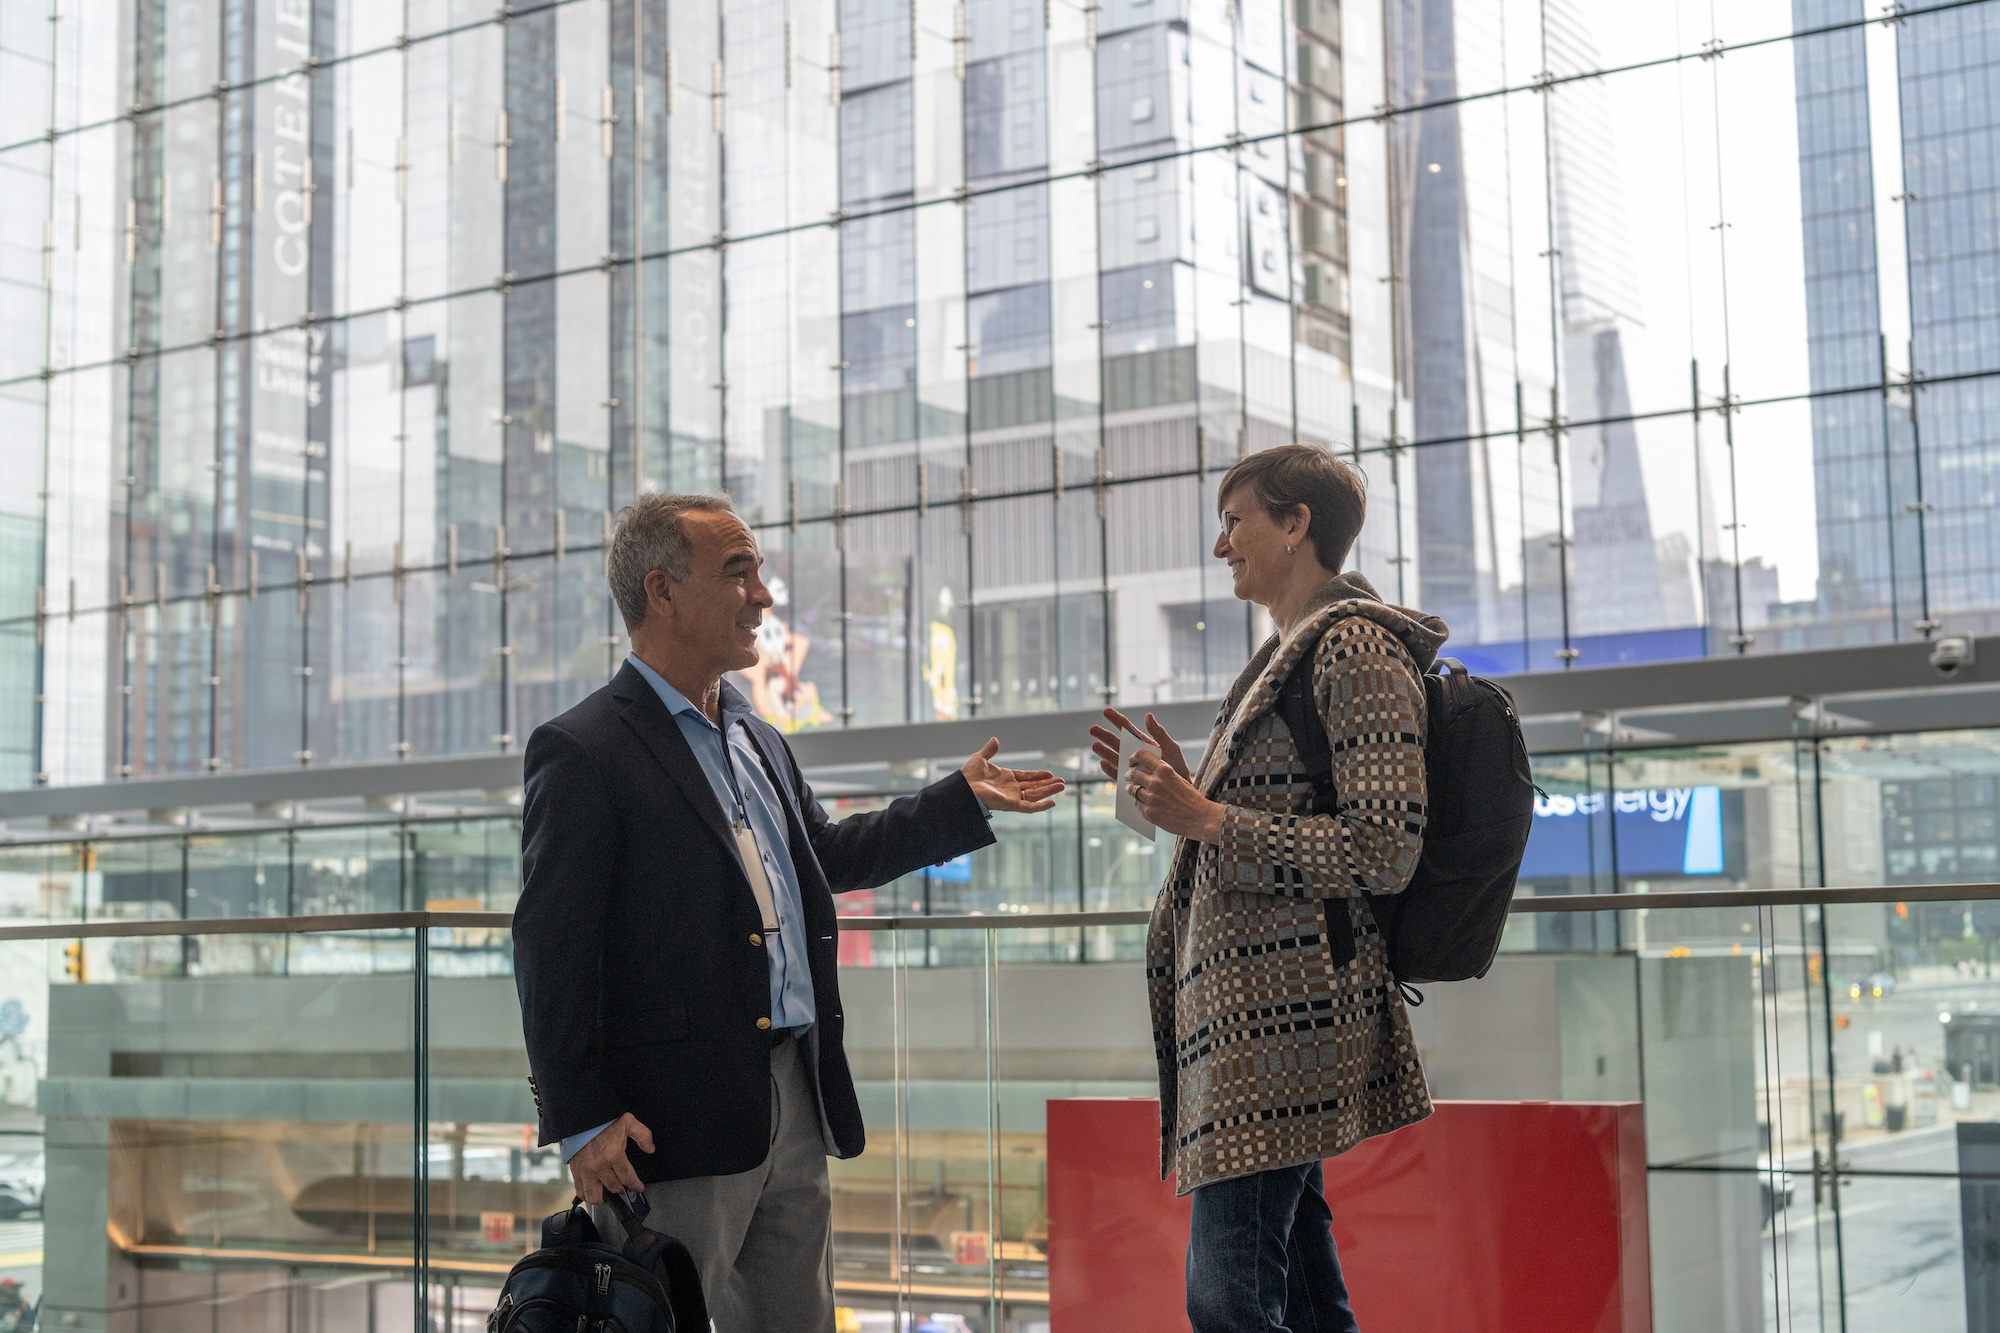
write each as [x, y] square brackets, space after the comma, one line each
[1568, 653]
[38, 739]
[995, 1280]
[421, 1168]
[1713, 52]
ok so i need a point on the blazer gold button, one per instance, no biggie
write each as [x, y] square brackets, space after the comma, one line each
[763, 1025]
[757, 940]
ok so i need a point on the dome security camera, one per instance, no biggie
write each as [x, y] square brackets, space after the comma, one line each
[1949, 654]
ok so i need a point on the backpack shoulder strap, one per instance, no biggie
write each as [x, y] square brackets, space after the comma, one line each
[1300, 710]
[666, 1258]
[1297, 706]
[670, 1260]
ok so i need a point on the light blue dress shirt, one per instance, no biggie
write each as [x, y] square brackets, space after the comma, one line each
[764, 810]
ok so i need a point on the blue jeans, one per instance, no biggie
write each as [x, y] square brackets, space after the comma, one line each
[1261, 1257]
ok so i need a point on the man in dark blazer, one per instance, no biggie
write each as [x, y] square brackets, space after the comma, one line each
[674, 944]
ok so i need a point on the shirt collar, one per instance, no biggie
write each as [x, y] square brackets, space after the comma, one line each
[678, 703]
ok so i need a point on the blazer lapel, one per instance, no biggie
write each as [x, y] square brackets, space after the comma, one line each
[649, 720]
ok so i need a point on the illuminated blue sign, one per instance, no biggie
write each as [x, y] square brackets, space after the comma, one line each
[1665, 831]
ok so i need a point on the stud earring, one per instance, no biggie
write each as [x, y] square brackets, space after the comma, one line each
[1291, 550]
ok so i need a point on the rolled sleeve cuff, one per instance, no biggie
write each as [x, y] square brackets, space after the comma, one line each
[573, 1145]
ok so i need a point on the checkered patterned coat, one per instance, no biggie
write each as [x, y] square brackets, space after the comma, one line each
[1269, 1055]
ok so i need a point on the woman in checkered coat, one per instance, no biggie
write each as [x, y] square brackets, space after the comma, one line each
[1279, 1042]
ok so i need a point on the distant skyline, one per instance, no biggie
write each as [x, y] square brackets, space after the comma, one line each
[1686, 165]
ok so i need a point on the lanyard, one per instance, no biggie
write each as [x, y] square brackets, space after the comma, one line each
[747, 850]
[729, 773]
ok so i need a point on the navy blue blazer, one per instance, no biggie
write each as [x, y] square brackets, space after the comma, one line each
[637, 952]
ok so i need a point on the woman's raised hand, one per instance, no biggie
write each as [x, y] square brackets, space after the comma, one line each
[1104, 743]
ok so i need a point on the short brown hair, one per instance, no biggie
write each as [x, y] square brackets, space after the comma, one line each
[1331, 488]
[650, 536]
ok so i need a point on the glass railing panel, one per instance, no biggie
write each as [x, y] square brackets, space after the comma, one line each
[946, 1118]
[191, 1132]
[1915, 1083]
[1700, 1014]
[868, 1235]
[26, 971]
[1797, 1122]
[913, 1213]
[1543, 1025]
[466, 865]
[490, 1182]
[1061, 1030]
[1903, 1247]
[235, 1112]
[42, 881]
[136, 879]
[239, 874]
[1726, 1048]
[358, 869]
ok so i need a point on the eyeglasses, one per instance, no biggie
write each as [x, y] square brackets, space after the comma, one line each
[1229, 522]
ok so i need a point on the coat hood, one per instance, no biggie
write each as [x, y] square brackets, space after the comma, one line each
[1421, 634]
[1263, 677]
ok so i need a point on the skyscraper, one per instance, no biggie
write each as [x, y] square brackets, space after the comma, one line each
[1583, 534]
[356, 339]
[1904, 482]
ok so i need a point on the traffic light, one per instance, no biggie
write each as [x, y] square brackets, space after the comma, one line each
[73, 963]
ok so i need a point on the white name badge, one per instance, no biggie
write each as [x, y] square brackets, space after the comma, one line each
[753, 866]
[1126, 807]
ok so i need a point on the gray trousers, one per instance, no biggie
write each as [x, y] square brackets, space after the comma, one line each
[762, 1238]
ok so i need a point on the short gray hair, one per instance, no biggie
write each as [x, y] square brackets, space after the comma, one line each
[651, 535]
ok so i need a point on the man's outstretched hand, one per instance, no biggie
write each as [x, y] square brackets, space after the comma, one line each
[1015, 790]
[601, 1164]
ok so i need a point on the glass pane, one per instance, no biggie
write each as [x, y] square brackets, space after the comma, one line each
[217, 1146]
[1910, 985]
[868, 1243]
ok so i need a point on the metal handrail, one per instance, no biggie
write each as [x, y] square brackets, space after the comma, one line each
[350, 922]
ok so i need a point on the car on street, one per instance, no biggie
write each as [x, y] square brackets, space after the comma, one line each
[1874, 986]
[21, 1183]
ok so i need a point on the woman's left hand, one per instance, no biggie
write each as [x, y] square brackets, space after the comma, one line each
[1170, 801]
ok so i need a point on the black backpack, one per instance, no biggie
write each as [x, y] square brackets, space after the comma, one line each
[576, 1283]
[1446, 925]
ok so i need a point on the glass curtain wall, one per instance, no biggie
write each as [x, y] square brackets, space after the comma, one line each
[323, 1129]
[332, 335]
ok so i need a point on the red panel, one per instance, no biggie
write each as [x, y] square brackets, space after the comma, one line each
[1117, 1235]
[1489, 1217]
